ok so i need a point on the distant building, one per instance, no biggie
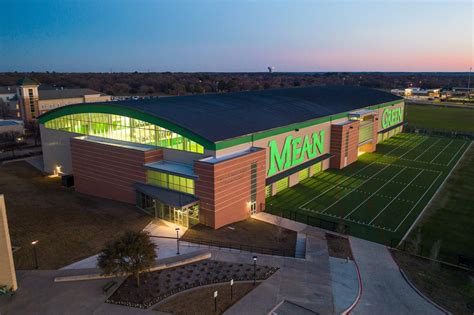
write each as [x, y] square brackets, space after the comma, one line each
[11, 127]
[29, 98]
[417, 92]
[9, 102]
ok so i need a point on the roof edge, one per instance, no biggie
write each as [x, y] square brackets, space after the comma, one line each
[116, 109]
[224, 144]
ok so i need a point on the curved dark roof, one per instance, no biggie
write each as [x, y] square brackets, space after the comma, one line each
[218, 117]
[223, 116]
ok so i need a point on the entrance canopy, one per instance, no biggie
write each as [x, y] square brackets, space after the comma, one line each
[166, 196]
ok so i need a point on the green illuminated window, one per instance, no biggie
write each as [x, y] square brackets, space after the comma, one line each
[169, 181]
[123, 128]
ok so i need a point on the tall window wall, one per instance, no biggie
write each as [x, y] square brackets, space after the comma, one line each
[169, 181]
[123, 128]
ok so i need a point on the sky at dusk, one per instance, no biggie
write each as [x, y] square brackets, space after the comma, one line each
[236, 36]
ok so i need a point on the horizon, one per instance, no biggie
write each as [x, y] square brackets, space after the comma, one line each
[233, 37]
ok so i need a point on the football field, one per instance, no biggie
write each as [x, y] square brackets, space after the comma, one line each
[381, 195]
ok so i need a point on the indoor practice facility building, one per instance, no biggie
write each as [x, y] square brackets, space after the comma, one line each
[214, 158]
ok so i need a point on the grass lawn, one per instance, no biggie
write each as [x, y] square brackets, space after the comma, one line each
[201, 301]
[450, 217]
[69, 226]
[250, 234]
[438, 117]
[379, 196]
[447, 286]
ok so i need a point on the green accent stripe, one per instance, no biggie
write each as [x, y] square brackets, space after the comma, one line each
[128, 112]
[273, 132]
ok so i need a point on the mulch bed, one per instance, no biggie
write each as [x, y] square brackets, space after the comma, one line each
[339, 246]
[158, 285]
[201, 301]
[249, 235]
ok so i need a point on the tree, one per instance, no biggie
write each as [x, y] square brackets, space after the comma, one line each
[132, 253]
[4, 109]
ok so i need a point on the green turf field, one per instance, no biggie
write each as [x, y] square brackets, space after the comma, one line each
[379, 196]
[440, 118]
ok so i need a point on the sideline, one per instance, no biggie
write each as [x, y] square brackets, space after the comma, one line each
[434, 195]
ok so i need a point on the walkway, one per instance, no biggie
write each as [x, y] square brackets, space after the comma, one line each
[385, 291]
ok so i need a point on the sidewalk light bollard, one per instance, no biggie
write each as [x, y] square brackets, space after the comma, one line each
[254, 269]
[177, 241]
[231, 285]
[34, 252]
[215, 301]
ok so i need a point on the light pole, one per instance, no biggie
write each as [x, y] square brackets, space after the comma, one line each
[34, 252]
[231, 285]
[177, 240]
[254, 269]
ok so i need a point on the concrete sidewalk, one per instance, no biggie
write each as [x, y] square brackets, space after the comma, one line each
[384, 290]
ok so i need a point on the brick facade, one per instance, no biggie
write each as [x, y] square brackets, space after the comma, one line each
[224, 188]
[109, 171]
[339, 143]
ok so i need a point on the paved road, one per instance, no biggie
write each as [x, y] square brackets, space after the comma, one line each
[384, 290]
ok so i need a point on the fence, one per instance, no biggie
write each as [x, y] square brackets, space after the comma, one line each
[309, 219]
[240, 247]
[425, 251]
[440, 132]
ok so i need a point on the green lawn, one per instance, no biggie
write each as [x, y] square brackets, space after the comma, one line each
[450, 217]
[380, 195]
[440, 118]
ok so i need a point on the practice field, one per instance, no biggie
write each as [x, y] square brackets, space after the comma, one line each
[378, 197]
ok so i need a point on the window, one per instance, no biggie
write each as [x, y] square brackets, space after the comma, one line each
[253, 182]
[281, 184]
[268, 191]
[123, 128]
[303, 174]
[172, 182]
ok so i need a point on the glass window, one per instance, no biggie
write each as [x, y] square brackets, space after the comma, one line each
[169, 181]
[124, 129]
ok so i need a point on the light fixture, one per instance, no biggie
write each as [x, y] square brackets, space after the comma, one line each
[34, 242]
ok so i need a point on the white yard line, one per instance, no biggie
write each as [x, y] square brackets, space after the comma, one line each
[403, 142]
[441, 151]
[426, 149]
[416, 146]
[434, 195]
[456, 154]
[329, 189]
[388, 204]
[418, 201]
[375, 192]
[354, 189]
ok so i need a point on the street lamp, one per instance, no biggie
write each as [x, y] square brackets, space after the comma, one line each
[35, 254]
[177, 240]
[254, 269]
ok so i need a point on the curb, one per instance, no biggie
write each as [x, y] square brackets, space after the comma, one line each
[359, 295]
[421, 294]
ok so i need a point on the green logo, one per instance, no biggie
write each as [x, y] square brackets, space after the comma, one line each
[295, 151]
[391, 117]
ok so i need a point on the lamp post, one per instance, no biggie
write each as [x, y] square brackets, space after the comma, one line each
[177, 240]
[34, 252]
[254, 269]
[215, 301]
[231, 285]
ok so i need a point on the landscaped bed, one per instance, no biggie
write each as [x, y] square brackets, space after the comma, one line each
[158, 285]
[339, 246]
[249, 235]
[201, 300]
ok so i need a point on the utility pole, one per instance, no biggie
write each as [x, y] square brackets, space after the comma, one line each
[469, 84]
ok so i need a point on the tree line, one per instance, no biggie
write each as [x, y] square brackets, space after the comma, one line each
[167, 83]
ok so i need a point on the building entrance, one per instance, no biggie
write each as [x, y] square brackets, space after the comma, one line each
[185, 216]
